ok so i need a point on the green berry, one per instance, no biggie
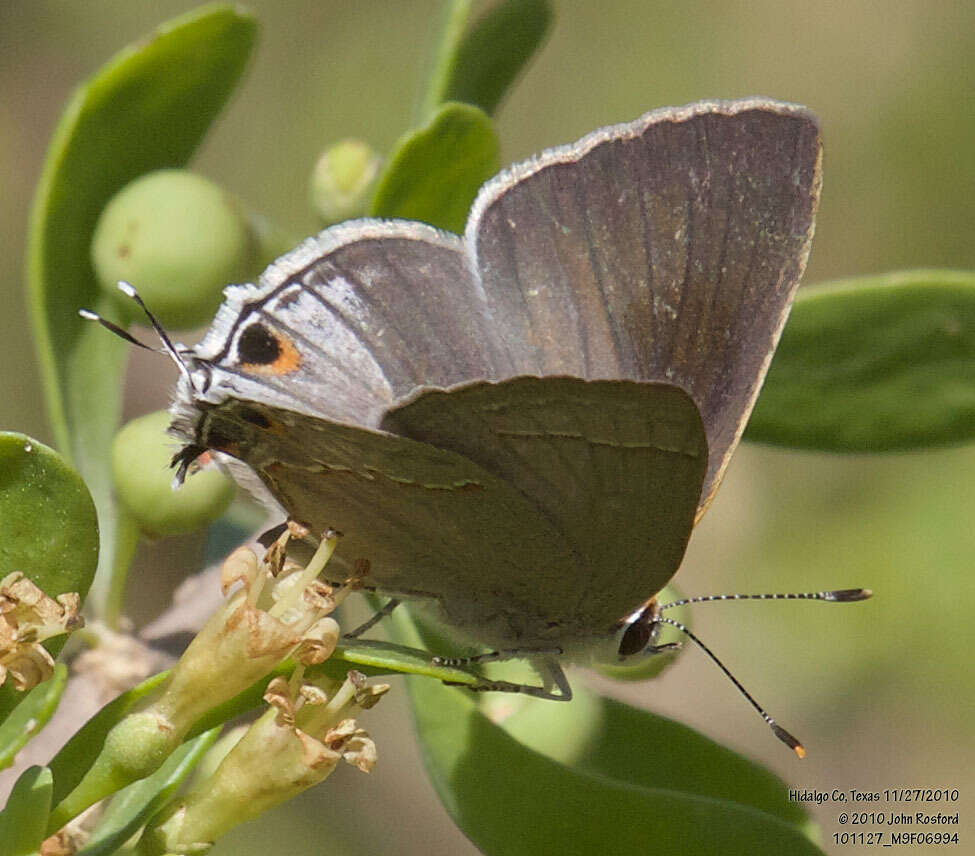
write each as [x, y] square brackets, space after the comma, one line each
[142, 476]
[179, 239]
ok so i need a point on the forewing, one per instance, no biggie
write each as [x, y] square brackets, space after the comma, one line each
[347, 324]
[667, 249]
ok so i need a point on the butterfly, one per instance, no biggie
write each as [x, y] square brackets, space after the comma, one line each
[522, 425]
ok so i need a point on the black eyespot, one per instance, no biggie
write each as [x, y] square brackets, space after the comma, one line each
[254, 417]
[258, 345]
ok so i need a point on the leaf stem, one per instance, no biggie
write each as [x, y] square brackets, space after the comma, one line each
[112, 597]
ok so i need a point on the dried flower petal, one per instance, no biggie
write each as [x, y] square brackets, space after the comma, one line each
[318, 642]
[28, 617]
[360, 752]
[368, 696]
[239, 566]
[33, 666]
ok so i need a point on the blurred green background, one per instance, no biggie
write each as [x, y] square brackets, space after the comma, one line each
[881, 693]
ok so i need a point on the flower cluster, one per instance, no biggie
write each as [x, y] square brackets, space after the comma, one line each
[278, 608]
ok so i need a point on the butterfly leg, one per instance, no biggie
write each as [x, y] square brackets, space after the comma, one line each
[552, 675]
[389, 606]
[495, 656]
[662, 649]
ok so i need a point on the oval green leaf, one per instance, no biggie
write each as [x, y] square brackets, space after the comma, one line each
[31, 715]
[510, 799]
[132, 807]
[874, 364]
[147, 108]
[584, 768]
[682, 759]
[24, 819]
[434, 172]
[48, 528]
[479, 66]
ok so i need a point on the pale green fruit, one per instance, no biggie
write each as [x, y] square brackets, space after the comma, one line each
[178, 239]
[141, 453]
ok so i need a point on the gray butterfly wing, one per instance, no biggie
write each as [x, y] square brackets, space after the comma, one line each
[433, 523]
[598, 484]
[346, 325]
[615, 466]
[667, 249]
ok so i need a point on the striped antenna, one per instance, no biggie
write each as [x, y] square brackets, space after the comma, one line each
[643, 623]
[167, 348]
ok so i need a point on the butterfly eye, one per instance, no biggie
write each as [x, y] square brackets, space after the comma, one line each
[632, 636]
[638, 632]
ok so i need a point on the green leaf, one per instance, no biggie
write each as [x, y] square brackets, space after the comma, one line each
[592, 775]
[485, 63]
[627, 736]
[134, 806]
[874, 364]
[450, 33]
[24, 819]
[31, 715]
[48, 529]
[147, 108]
[77, 755]
[511, 799]
[434, 172]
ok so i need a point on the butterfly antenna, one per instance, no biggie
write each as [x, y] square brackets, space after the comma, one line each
[836, 596]
[168, 347]
[777, 729]
[88, 315]
[130, 292]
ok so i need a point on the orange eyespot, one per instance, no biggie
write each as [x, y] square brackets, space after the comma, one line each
[267, 352]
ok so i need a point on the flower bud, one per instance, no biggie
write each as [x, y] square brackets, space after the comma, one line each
[343, 180]
[179, 239]
[141, 454]
[286, 751]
